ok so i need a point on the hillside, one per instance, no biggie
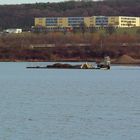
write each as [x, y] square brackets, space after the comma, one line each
[12, 16]
[34, 47]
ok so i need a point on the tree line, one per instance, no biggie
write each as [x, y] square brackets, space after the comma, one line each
[22, 16]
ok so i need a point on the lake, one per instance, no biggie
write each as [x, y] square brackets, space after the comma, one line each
[54, 104]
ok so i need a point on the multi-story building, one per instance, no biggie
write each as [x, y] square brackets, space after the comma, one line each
[94, 21]
[123, 21]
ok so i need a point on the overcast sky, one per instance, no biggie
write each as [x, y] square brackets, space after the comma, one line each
[27, 1]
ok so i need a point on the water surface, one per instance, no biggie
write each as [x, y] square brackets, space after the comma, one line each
[46, 104]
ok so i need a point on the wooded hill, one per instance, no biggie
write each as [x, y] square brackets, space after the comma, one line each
[22, 16]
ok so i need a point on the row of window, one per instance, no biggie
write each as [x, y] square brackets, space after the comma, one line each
[69, 24]
[52, 18]
[73, 25]
[101, 21]
[127, 24]
[101, 24]
[98, 18]
[69, 18]
[128, 18]
[75, 18]
[77, 24]
[73, 22]
[128, 21]
[52, 24]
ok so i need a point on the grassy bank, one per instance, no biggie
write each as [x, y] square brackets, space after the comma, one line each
[18, 47]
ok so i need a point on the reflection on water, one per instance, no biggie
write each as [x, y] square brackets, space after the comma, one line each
[69, 104]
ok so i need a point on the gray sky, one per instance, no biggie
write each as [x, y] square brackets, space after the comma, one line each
[23, 1]
[26, 1]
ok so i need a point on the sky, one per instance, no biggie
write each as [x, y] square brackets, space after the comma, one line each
[27, 1]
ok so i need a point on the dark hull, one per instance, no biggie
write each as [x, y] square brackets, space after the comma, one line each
[67, 66]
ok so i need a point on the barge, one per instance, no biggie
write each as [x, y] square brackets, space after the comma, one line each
[105, 64]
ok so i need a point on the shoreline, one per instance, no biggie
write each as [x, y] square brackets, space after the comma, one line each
[137, 63]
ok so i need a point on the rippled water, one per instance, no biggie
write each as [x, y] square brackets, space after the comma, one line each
[70, 104]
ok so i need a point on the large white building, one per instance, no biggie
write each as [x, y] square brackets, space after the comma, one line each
[16, 31]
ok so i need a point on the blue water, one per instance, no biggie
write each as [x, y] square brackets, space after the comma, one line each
[45, 104]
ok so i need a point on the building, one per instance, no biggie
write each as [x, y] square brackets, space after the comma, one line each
[16, 31]
[123, 21]
[93, 21]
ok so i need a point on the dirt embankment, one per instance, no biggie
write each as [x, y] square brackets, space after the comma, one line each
[126, 59]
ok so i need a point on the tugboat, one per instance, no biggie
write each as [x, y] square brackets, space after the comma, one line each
[105, 63]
